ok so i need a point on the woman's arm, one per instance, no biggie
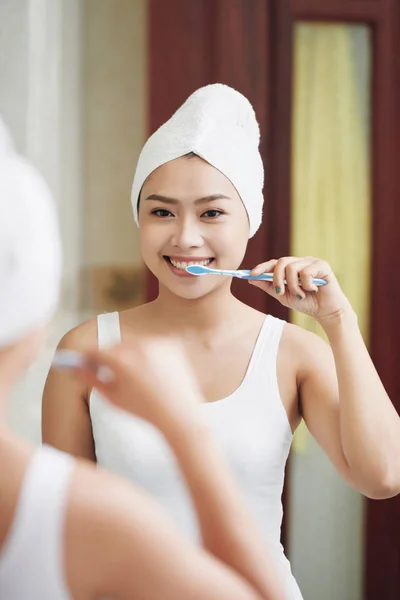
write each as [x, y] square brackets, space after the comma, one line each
[66, 423]
[348, 410]
[343, 400]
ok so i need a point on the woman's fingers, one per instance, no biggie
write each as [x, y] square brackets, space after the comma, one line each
[292, 278]
[277, 267]
[280, 274]
[290, 274]
[270, 266]
[316, 269]
[265, 267]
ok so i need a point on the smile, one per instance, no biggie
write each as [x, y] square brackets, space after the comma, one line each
[180, 264]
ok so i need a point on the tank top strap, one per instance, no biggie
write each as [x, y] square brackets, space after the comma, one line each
[266, 349]
[264, 375]
[108, 329]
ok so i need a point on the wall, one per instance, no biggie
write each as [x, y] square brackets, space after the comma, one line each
[74, 100]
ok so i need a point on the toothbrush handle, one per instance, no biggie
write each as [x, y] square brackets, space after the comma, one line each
[245, 274]
[269, 277]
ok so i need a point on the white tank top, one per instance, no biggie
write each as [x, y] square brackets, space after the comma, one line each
[251, 426]
[31, 558]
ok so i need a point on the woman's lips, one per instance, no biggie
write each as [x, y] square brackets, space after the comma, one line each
[181, 272]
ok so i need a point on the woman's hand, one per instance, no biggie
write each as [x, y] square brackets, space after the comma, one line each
[151, 379]
[322, 303]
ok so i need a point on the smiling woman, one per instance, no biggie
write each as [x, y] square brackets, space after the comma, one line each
[259, 375]
[81, 514]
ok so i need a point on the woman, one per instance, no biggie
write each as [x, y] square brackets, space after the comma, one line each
[197, 197]
[71, 530]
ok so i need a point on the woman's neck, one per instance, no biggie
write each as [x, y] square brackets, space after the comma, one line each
[200, 314]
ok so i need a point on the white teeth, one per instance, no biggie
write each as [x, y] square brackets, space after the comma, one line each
[183, 265]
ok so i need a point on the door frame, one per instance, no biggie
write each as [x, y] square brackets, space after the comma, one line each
[382, 525]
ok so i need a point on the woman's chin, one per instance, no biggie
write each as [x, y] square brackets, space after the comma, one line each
[192, 289]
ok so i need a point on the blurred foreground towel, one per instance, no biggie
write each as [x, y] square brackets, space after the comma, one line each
[30, 249]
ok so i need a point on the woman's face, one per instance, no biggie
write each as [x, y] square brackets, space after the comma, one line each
[190, 212]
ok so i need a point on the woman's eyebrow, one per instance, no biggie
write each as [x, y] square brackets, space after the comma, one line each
[203, 200]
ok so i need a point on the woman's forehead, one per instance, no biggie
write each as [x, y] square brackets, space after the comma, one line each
[185, 177]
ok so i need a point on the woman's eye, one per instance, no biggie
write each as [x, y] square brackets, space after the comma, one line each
[212, 214]
[161, 212]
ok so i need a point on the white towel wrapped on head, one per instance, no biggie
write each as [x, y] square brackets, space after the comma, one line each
[219, 125]
[30, 249]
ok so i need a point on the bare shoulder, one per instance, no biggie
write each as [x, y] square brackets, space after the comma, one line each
[119, 527]
[134, 547]
[303, 349]
[81, 337]
[92, 507]
[66, 422]
[101, 502]
[101, 509]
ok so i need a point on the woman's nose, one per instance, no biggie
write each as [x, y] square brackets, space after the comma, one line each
[187, 234]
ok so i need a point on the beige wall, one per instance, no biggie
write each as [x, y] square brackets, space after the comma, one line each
[115, 126]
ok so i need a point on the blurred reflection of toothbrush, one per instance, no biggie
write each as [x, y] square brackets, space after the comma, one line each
[71, 359]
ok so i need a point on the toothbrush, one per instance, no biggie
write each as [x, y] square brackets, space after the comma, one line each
[71, 359]
[68, 359]
[243, 274]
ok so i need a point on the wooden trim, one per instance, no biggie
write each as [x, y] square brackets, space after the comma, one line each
[365, 11]
[180, 56]
[385, 322]
[278, 181]
[382, 564]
